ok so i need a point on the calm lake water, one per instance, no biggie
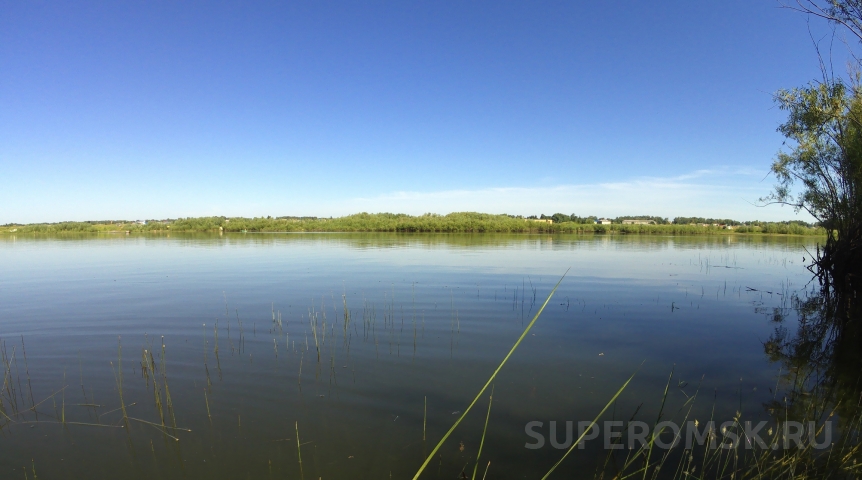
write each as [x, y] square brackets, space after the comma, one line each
[429, 318]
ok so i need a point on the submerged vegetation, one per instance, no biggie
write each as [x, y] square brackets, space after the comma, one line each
[461, 222]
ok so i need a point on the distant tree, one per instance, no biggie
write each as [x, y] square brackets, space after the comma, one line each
[710, 221]
[561, 218]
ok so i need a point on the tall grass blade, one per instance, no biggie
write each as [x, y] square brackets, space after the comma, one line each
[491, 379]
[484, 430]
[592, 424]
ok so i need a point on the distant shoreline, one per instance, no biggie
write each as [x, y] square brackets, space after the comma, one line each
[400, 223]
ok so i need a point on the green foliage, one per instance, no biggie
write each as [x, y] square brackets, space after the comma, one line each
[826, 161]
[701, 220]
[825, 164]
[461, 222]
[563, 218]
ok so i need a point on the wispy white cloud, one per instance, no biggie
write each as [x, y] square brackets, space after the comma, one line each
[718, 192]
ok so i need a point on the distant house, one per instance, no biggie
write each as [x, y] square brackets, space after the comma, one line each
[603, 221]
[638, 222]
[543, 220]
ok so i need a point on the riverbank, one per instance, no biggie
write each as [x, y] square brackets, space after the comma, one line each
[385, 222]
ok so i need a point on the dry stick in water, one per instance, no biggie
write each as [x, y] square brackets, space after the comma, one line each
[490, 380]
[109, 411]
[208, 407]
[160, 428]
[75, 423]
[157, 427]
[299, 452]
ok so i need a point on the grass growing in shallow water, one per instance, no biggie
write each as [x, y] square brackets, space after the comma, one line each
[221, 423]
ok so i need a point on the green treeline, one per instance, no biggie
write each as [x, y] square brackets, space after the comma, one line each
[462, 222]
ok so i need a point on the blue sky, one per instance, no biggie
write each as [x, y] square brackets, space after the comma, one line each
[133, 110]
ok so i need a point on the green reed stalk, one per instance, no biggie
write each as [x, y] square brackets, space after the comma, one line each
[145, 371]
[8, 380]
[169, 403]
[314, 332]
[27, 369]
[157, 393]
[490, 380]
[658, 418]
[346, 322]
[641, 456]
[484, 430]
[119, 378]
[299, 377]
[206, 344]
[592, 424]
[215, 337]
[63, 408]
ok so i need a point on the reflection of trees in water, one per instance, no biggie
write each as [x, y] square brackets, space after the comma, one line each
[821, 377]
[824, 351]
[795, 245]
